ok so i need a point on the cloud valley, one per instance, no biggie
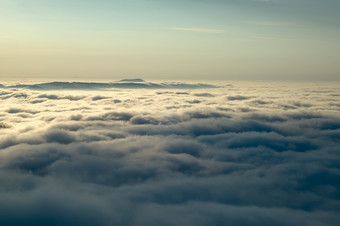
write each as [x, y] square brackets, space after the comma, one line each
[248, 154]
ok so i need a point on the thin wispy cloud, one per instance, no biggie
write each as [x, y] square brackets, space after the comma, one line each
[195, 29]
[270, 23]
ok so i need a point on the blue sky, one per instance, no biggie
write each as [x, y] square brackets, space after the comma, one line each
[223, 40]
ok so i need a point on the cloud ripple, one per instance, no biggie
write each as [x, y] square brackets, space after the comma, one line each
[149, 157]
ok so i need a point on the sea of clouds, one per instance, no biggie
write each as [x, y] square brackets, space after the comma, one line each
[246, 154]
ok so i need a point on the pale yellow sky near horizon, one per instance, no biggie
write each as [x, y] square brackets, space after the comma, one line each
[217, 40]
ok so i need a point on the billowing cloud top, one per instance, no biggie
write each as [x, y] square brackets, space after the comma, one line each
[248, 154]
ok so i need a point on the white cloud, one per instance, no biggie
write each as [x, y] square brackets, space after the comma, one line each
[245, 154]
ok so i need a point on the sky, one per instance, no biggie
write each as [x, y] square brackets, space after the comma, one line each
[162, 40]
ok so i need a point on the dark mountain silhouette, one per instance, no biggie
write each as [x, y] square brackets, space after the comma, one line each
[132, 80]
[124, 83]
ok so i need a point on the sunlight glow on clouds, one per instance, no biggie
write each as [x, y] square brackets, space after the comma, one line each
[246, 154]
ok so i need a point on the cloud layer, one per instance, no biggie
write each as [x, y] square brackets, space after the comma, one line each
[248, 154]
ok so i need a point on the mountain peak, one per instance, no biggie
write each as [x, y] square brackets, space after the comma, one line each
[132, 80]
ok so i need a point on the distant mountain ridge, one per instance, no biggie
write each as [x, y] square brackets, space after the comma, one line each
[124, 83]
[132, 80]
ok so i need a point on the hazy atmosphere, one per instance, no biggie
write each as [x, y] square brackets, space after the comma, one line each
[155, 112]
[178, 39]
